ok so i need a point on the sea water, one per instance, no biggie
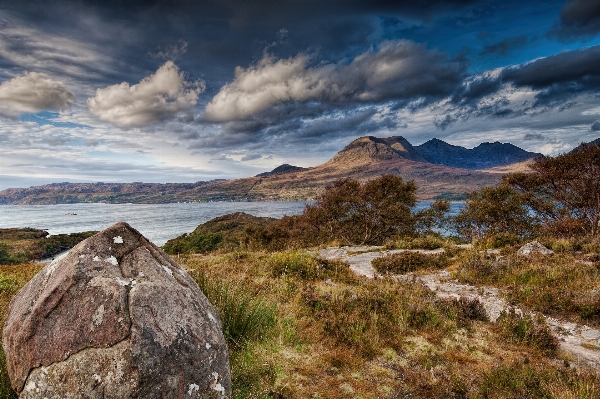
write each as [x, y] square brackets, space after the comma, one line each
[157, 222]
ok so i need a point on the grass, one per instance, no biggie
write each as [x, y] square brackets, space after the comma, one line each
[301, 327]
[22, 245]
[561, 285]
[245, 316]
[352, 337]
[524, 329]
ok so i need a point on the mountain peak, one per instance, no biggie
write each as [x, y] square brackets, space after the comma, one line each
[485, 155]
[367, 149]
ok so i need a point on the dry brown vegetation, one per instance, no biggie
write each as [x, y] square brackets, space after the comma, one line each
[340, 336]
[565, 285]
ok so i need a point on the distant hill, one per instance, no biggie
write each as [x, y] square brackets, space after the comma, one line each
[68, 193]
[484, 156]
[432, 165]
[281, 169]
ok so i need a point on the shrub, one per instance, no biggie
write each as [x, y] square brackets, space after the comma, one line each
[464, 310]
[562, 245]
[425, 242]
[524, 329]
[363, 213]
[405, 262]
[501, 240]
[563, 191]
[493, 211]
[304, 266]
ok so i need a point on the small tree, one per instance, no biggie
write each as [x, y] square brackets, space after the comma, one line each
[493, 211]
[432, 217]
[364, 213]
[564, 191]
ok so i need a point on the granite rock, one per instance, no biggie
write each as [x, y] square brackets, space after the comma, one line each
[115, 318]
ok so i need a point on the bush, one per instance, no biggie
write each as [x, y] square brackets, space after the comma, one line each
[405, 262]
[563, 191]
[464, 310]
[306, 267]
[363, 213]
[501, 240]
[494, 211]
[425, 242]
[526, 330]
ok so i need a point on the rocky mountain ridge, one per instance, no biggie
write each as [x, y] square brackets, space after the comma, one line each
[485, 155]
[364, 158]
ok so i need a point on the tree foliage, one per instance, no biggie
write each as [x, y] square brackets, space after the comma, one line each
[564, 191]
[493, 211]
[364, 213]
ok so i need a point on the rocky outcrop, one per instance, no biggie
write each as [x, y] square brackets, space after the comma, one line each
[115, 318]
[534, 247]
[485, 155]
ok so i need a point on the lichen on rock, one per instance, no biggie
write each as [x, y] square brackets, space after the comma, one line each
[116, 317]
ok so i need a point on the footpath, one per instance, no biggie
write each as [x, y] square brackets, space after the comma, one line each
[576, 340]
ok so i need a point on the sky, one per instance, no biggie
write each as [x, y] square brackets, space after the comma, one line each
[186, 91]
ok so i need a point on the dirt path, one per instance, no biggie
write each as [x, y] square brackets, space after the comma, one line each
[579, 341]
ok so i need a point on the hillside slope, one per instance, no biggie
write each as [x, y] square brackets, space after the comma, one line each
[362, 159]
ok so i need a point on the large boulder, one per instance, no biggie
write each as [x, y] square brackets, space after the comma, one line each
[115, 318]
[534, 247]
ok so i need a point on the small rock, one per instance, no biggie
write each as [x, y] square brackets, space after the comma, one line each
[590, 334]
[533, 248]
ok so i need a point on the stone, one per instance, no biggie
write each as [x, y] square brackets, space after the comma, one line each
[115, 318]
[534, 247]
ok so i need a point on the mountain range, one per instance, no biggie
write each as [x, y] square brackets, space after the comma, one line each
[439, 169]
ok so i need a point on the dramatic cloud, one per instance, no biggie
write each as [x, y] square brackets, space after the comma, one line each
[578, 19]
[33, 92]
[396, 70]
[595, 126]
[554, 81]
[43, 51]
[577, 66]
[156, 98]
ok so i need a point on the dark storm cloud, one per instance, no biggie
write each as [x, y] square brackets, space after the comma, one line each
[475, 88]
[301, 127]
[595, 126]
[505, 46]
[570, 66]
[579, 19]
[558, 79]
[212, 37]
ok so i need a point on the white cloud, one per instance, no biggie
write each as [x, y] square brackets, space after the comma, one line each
[36, 50]
[32, 92]
[396, 70]
[157, 98]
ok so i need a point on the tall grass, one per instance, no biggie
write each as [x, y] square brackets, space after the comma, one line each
[246, 317]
